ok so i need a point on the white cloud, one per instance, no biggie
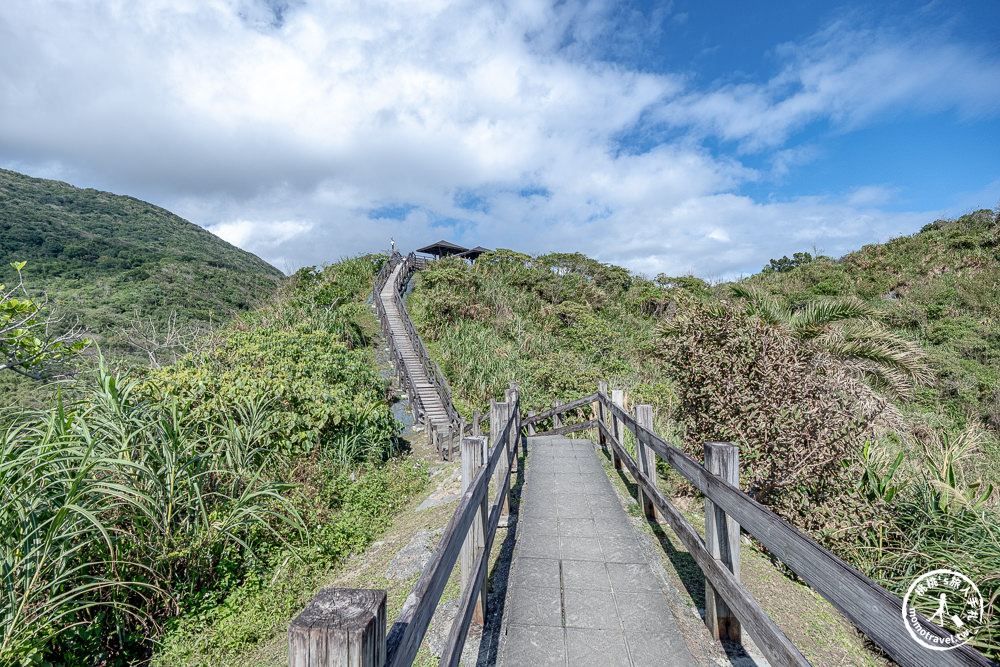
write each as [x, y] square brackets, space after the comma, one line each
[282, 132]
[847, 76]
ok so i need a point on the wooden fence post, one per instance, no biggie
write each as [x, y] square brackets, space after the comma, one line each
[556, 419]
[531, 427]
[722, 539]
[602, 414]
[472, 461]
[498, 418]
[515, 432]
[646, 458]
[339, 626]
[475, 424]
[617, 427]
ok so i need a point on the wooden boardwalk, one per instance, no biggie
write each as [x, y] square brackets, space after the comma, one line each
[581, 590]
[435, 410]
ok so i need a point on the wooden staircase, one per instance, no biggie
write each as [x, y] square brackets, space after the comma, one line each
[435, 412]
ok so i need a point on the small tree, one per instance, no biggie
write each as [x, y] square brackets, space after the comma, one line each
[28, 342]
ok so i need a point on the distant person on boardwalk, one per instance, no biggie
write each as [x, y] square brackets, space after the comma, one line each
[392, 245]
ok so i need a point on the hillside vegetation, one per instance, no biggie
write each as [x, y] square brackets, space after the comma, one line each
[102, 257]
[862, 391]
[180, 515]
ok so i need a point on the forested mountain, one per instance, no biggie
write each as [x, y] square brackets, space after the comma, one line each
[102, 257]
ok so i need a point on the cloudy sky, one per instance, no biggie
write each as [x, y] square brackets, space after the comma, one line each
[678, 137]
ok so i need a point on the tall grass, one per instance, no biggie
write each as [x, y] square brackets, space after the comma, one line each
[113, 508]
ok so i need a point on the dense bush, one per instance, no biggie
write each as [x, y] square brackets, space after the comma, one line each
[745, 381]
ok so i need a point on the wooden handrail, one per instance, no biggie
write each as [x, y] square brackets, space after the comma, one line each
[777, 648]
[336, 628]
[565, 407]
[876, 612]
[410, 627]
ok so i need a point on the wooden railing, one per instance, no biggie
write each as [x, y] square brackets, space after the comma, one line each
[443, 436]
[729, 606]
[348, 626]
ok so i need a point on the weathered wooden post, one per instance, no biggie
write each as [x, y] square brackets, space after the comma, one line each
[531, 427]
[472, 461]
[617, 426]
[498, 419]
[722, 539]
[514, 400]
[475, 424]
[339, 626]
[646, 457]
[556, 418]
[602, 415]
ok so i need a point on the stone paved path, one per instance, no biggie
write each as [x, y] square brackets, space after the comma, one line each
[581, 591]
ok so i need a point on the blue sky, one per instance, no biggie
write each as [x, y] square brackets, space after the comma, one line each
[675, 137]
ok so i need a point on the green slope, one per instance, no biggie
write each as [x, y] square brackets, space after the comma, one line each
[941, 287]
[101, 257]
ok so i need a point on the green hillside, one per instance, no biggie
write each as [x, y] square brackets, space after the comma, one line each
[862, 392]
[101, 257]
[941, 287]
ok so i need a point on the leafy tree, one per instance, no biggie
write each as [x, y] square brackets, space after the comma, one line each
[847, 331]
[785, 264]
[27, 343]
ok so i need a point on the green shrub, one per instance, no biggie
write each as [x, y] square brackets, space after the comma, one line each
[744, 381]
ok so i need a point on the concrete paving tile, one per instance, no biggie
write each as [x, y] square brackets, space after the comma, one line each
[614, 527]
[537, 606]
[570, 493]
[538, 546]
[590, 609]
[650, 647]
[585, 574]
[632, 577]
[577, 528]
[595, 648]
[622, 550]
[581, 548]
[644, 609]
[606, 506]
[565, 477]
[577, 509]
[538, 525]
[535, 572]
[535, 645]
[537, 511]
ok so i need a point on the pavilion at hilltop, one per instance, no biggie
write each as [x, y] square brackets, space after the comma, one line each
[446, 249]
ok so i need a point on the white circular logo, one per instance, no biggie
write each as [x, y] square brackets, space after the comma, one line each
[951, 600]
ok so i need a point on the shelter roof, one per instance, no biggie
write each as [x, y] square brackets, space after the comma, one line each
[474, 253]
[442, 248]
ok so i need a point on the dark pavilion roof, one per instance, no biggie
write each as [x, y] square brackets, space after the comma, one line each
[442, 248]
[474, 253]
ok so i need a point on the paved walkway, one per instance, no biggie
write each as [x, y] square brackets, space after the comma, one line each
[429, 397]
[581, 592]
